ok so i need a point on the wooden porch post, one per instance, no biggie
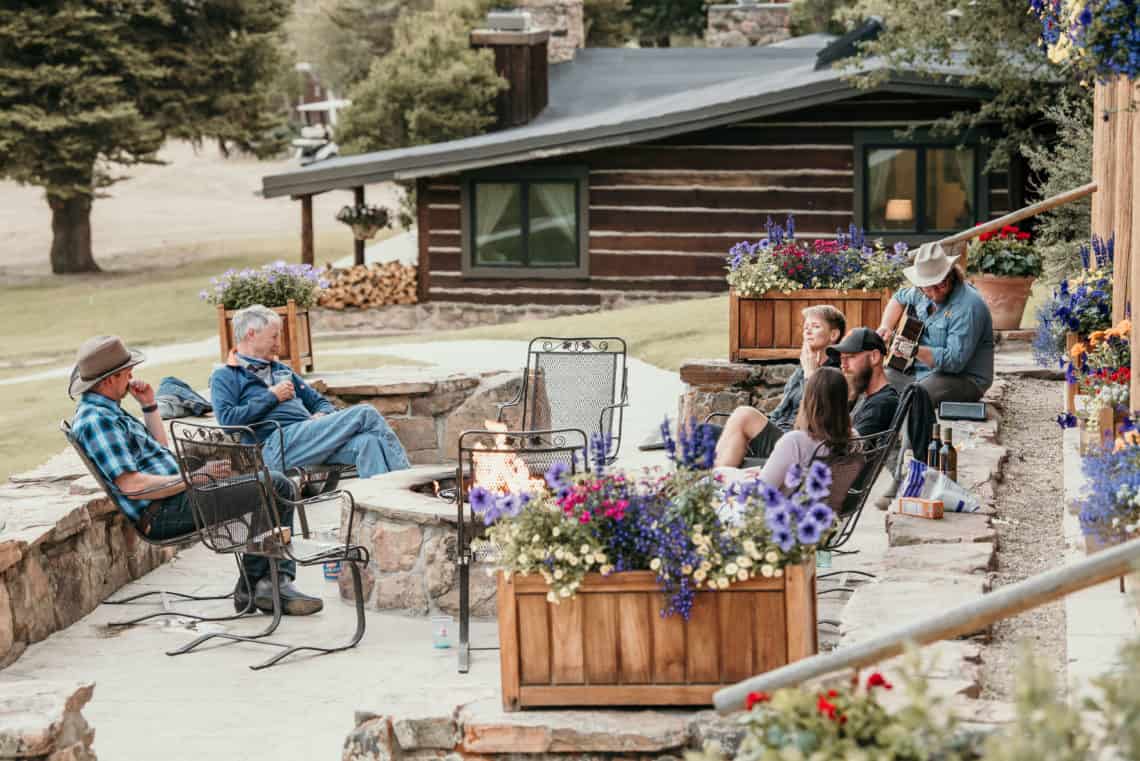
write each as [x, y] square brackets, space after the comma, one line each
[358, 245]
[307, 230]
[423, 230]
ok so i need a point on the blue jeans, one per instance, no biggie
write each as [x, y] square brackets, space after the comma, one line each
[175, 518]
[356, 436]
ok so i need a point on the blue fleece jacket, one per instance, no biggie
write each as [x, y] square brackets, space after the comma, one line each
[241, 398]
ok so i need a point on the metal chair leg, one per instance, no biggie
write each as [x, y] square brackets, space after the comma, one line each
[249, 607]
[358, 596]
[273, 624]
[464, 615]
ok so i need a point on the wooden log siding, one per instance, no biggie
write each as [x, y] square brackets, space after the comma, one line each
[663, 215]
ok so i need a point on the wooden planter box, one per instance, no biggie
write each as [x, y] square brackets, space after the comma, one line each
[609, 645]
[771, 326]
[296, 345]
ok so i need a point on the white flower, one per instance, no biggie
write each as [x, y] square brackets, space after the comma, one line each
[600, 558]
[606, 570]
[536, 539]
[572, 560]
[731, 569]
[744, 561]
[706, 566]
[551, 597]
[700, 575]
[722, 582]
[766, 571]
[558, 574]
[686, 569]
[564, 592]
[556, 531]
[742, 575]
[523, 559]
[698, 528]
[559, 554]
[655, 564]
[749, 546]
[778, 573]
[585, 549]
[772, 556]
[702, 549]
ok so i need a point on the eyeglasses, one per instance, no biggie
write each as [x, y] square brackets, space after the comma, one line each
[939, 286]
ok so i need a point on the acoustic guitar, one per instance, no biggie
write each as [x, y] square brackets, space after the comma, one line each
[904, 343]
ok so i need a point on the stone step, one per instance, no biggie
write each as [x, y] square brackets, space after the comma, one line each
[40, 718]
[903, 530]
[963, 558]
[895, 601]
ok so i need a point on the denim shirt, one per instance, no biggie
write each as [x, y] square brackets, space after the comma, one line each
[240, 397]
[959, 332]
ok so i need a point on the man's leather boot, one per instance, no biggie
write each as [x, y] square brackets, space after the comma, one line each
[294, 602]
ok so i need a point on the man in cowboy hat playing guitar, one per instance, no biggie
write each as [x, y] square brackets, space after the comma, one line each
[955, 358]
[135, 458]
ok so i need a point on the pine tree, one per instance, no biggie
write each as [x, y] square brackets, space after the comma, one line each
[91, 87]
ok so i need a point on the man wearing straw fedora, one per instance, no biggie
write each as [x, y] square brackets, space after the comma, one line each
[135, 458]
[955, 358]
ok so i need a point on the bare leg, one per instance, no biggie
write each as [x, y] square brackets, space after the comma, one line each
[743, 425]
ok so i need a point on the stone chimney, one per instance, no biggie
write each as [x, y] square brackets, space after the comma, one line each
[566, 21]
[521, 59]
[744, 24]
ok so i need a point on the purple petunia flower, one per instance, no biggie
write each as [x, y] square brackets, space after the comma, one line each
[821, 514]
[783, 539]
[481, 500]
[556, 474]
[809, 531]
[777, 519]
[794, 477]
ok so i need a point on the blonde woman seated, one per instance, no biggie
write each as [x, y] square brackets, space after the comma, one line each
[752, 434]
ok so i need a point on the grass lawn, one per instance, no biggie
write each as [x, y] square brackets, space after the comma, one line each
[154, 305]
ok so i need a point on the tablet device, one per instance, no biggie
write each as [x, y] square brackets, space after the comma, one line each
[962, 411]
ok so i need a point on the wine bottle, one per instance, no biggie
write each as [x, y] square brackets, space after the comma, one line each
[934, 449]
[948, 457]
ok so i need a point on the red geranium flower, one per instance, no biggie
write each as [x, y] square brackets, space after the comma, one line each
[878, 680]
[756, 697]
[1023, 236]
[825, 707]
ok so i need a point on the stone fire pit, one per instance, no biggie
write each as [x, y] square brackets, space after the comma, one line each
[412, 536]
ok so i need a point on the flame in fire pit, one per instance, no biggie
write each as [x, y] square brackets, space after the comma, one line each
[501, 471]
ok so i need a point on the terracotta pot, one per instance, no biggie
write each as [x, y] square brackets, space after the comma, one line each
[1005, 296]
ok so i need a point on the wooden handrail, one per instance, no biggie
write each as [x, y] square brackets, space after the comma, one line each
[965, 619]
[1016, 216]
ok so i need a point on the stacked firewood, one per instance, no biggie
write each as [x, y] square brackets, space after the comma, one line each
[362, 287]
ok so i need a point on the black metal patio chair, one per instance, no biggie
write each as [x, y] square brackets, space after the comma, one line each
[500, 462]
[180, 542]
[579, 383]
[239, 512]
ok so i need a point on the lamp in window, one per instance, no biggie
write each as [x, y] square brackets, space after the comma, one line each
[899, 210]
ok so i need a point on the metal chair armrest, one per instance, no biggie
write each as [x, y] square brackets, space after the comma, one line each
[711, 415]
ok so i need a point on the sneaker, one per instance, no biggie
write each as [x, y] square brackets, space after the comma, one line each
[241, 597]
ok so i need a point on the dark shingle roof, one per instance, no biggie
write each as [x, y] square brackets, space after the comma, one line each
[618, 96]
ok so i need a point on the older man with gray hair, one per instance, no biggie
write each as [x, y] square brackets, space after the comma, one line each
[252, 387]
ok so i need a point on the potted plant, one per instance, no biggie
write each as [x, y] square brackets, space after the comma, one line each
[772, 280]
[1078, 306]
[1002, 266]
[1110, 511]
[608, 580]
[287, 289]
[365, 220]
[1104, 363]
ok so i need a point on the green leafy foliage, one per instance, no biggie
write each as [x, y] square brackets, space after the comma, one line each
[1008, 252]
[1063, 162]
[995, 43]
[432, 87]
[608, 23]
[88, 88]
[655, 21]
[811, 16]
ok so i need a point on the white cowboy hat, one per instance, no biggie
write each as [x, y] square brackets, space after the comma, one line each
[931, 265]
[99, 358]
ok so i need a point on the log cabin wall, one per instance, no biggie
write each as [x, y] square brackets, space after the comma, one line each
[663, 215]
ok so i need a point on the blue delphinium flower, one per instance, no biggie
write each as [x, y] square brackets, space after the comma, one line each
[667, 438]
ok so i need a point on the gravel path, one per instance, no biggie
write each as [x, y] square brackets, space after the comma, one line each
[1029, 530]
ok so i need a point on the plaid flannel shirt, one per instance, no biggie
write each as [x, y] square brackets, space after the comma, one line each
[118, 443]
